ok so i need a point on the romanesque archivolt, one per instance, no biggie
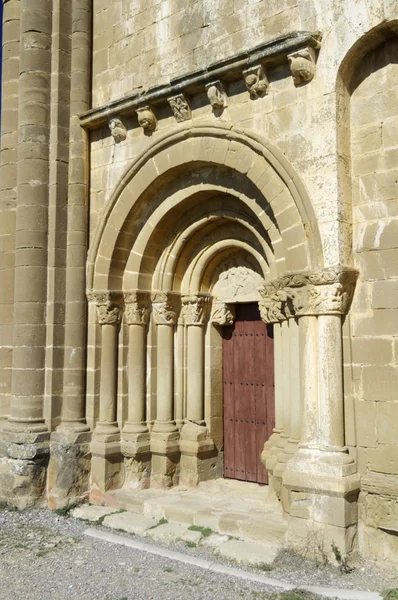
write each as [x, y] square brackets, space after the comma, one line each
[253, 69]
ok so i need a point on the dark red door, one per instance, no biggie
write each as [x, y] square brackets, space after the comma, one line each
[249, 406]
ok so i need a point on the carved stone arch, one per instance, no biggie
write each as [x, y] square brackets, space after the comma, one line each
[251, 157]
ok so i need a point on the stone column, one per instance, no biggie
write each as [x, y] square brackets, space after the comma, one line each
[322, 477]
[196, 446]
[27, 435]
[105, 446]
[70, 450]
[135, 434]
[165, 434]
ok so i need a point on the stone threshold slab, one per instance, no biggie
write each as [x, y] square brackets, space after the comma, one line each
[227, 570]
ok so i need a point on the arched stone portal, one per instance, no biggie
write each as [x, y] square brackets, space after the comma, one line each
[208, 217]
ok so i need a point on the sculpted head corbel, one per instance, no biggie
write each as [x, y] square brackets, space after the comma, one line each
[302, 65]
[146, 119]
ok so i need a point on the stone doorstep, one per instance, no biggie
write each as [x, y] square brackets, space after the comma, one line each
[92, 513]
[130, 523]
[258, 523]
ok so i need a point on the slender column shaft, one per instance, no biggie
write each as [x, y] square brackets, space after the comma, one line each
[108, 380]
[309, 378]
[330, 382]
[195, 384]
[295, 402]
[73, 409]
[30, 286]
[286, 392]
[165, 377]
[278, 370]
[136, 378]
[180, 373]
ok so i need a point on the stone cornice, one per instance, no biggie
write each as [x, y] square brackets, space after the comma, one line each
[295, 48]
[323, 292]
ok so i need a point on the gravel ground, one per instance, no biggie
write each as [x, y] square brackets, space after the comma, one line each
[44, 556]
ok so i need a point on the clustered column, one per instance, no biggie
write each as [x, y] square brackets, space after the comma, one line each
[322, 462]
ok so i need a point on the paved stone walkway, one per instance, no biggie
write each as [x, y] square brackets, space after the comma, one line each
[237, 520]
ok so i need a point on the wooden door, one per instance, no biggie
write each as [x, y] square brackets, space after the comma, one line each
[249, 406]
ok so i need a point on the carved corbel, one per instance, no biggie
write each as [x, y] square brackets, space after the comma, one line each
[117, 129]
[146, 118]
[165, 308]
[109, 307]
[302, 65]
[196, 309]
[216, 95]
[223, 314]
[180, 107]
[136, 308]
[256, 82]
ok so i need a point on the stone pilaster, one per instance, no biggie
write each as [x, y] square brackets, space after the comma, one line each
[135, 434]
[197, 449]
[165, 434]
[106, 464]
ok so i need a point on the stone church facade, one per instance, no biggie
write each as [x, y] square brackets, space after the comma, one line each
[199, 255]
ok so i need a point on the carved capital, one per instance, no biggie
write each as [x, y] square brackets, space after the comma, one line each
[216, 95]
[137, 308]
[223, 314]
[165, 308]
[256, 82]
[109, 307]
[326, 292]
[275, 305]
[180, 107]
[117, 129]
[302, 65]
[196, 309]
[146, 118]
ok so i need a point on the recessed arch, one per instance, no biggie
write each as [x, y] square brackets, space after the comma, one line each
[281, 200]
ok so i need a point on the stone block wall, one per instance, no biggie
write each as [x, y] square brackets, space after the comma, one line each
[372, 343]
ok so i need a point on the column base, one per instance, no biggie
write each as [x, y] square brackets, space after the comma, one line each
[198, 455]
[24, 468]
[165, 451]
[136, 450]
[106, 467]
[69, 468]
[323, 486]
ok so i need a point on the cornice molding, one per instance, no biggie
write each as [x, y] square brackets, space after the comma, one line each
[287, 48]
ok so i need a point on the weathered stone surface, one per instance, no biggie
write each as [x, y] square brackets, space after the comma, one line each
[248, 553]
[92, 513]
[169, 532]
[130, 522]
